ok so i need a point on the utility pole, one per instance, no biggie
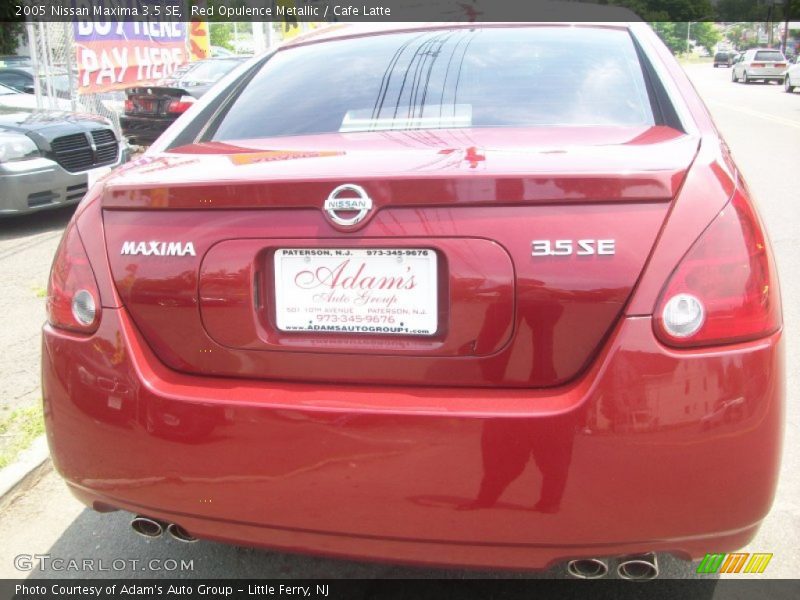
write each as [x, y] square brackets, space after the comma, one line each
[769, 24]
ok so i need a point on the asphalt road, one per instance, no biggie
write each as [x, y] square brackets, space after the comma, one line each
[762, 126]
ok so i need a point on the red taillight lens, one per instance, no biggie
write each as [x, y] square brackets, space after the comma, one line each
[73, 300]
[758, 65]
[180, 106]
[128, 106]
[725, 289]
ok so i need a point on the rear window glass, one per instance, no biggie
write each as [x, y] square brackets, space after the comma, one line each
[769, 55]
[493, 77]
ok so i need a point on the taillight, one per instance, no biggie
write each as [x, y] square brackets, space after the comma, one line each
[73, 299]
[129, 106]
[180, 106]
[758, 65]
[725, 289]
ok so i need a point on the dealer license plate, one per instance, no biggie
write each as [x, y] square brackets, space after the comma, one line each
[384, 291]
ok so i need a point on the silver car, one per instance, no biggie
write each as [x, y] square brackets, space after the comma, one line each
[759, 63]
[50, 158]
[791, 79]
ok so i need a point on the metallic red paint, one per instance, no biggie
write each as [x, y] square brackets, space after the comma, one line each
[612, 183]
[398, 473]
[613, 444]
[566, 305]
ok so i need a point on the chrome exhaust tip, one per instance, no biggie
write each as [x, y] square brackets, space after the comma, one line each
[638, 567]
[147, 527]
[180, 534]
[587, 568]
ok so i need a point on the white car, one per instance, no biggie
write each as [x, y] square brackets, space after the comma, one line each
[759, 63]
[11, 98]
[791, 79]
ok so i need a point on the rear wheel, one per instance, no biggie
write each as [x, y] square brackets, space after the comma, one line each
[733, 76]
[745, 78]
[787, 87]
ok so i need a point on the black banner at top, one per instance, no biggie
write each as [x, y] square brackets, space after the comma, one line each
[399, 10]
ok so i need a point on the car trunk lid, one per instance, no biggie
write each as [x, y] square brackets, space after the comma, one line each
[523, 248]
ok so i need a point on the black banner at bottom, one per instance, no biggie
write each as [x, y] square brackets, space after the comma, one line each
[390, 589]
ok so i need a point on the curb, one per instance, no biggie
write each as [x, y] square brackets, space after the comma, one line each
[24, 470]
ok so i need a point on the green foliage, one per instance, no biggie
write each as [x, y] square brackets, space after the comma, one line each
[9, 37]
[752, 10]
[682, 11]
[705, 35]
[741, 10]
[221, 35]
[668, 10]
[743, 36]
[674, 35]
[668, 33]
[23, 426]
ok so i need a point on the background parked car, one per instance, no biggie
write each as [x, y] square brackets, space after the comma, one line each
[759, 63]
[14, 99]
[21, 78]
[50, 158]
[723, 59]
[149, 110]
[9, 60]
[220, 52]
[791, 79]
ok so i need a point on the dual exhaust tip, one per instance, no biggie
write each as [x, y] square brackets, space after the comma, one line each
[153, 528]
[637, 567]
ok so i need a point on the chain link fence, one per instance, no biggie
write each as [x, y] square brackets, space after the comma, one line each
[55, 74]
[52, 48]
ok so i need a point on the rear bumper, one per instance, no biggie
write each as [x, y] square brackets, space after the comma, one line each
[652, 450]
[765, 74]
[144, 130]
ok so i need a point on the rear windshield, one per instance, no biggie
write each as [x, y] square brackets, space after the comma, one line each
[769, 55]
[492, 77]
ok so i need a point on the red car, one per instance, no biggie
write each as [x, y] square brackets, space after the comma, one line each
[455, 295]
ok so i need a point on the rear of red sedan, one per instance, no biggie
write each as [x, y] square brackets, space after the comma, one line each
[486, 296]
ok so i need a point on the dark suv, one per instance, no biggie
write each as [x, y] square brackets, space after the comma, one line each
[723, 58]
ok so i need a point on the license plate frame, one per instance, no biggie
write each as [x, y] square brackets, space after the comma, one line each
[356, 291]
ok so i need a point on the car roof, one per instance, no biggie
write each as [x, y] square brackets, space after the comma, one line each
[353, 30]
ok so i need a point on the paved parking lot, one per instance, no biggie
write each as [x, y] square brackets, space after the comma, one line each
[762, 126]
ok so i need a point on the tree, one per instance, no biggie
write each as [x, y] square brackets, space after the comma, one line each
[663, 11]
[741, 10]
[221, 34]
[668, 32]
[706, 35]
[9, 37]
